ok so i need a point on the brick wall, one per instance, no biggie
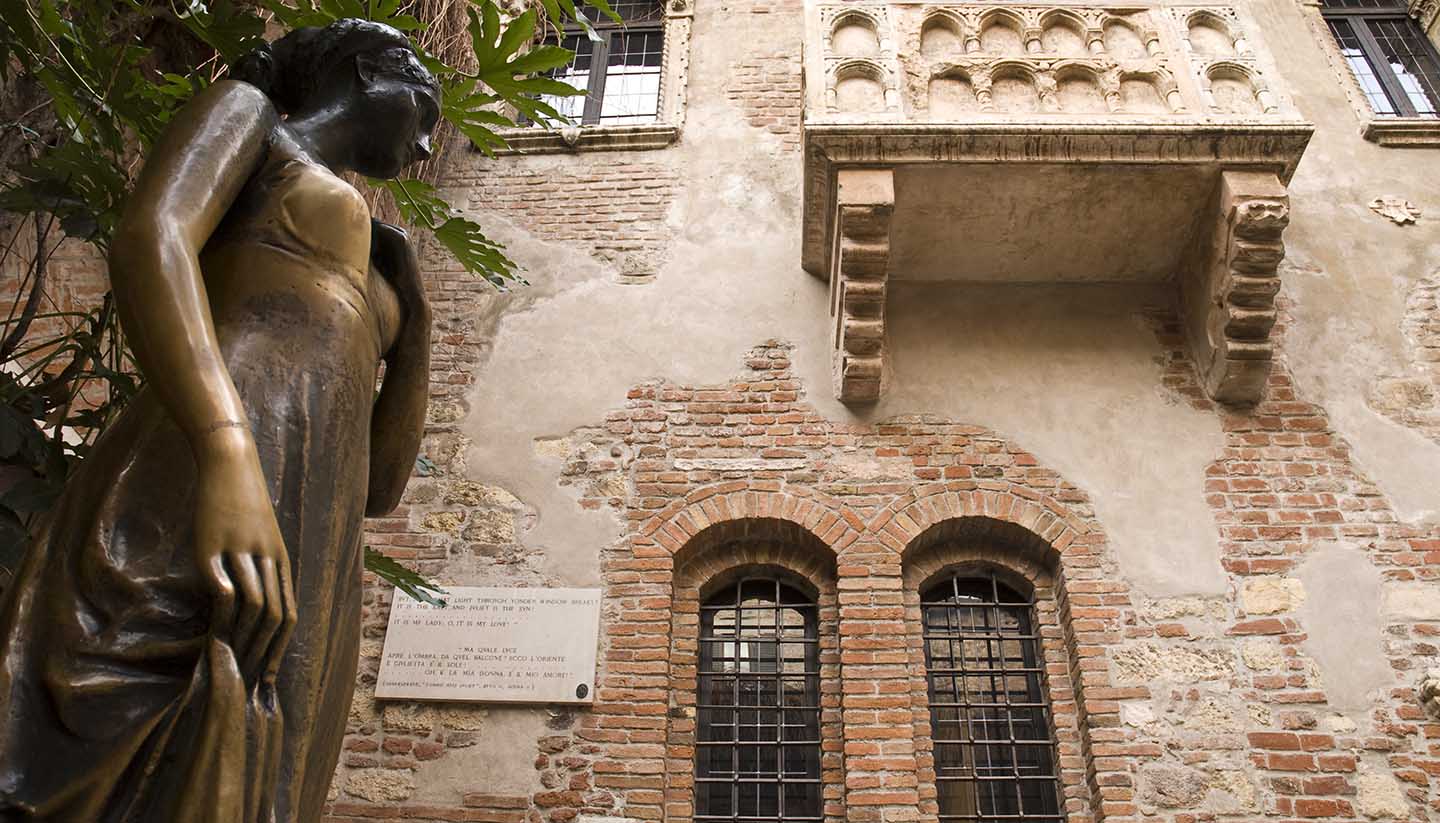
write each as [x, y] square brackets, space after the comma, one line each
[615, 207]
[767, 90]
[1248, 734]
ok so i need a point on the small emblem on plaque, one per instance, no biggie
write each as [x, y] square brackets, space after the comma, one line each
[582, 690]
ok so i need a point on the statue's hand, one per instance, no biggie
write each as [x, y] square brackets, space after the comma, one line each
[241, 555]
[397, 260]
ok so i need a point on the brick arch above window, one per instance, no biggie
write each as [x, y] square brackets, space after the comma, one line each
[721, 554]
[834, 524]
[1048, 521]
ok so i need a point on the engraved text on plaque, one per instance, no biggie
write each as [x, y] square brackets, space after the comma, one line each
[493, 644]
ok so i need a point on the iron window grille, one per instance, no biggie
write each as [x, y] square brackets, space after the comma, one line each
[989, 714]
[1392, 59]
[757, 735]
[620, 72]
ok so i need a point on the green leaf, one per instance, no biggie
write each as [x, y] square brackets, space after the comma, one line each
[541, 58]
[406, 580]
[604, 8]
[230, 29]
[477, 253]
[472, 113]
[82, 187]
[418, 201]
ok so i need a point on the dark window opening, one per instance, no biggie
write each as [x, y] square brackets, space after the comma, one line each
[1396, 65]
[757, 731]
[620, 72]
[989, 714]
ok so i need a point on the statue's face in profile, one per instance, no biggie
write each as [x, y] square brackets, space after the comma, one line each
[394, 118]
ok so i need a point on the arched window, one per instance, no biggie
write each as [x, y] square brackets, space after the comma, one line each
[989, 714]
[757, 736]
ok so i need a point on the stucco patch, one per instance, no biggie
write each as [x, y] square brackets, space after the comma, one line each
[1341, 621]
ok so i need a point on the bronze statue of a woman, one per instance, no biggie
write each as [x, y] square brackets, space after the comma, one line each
[180, 643]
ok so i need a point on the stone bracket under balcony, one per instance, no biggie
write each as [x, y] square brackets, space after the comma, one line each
[1003, 143]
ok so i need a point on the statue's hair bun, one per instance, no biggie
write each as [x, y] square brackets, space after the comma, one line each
[257, 68]
[290, 69]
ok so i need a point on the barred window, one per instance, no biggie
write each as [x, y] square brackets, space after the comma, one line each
[989, 714]
[620, 72]
[757, 737]
[1396, 65]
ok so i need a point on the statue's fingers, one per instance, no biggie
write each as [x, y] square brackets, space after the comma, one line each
[281, 638]
[270, 615]
[252, 600]
[222, 591]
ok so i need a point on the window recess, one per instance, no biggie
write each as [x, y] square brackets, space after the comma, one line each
[757, 740]
[1395, 64]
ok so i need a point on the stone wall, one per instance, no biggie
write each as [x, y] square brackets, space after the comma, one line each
[1238, 604]
[1166, 708]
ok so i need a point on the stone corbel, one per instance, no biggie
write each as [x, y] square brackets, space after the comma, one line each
[865, 202]
[1230, 301]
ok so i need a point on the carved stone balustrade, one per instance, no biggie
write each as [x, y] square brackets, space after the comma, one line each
[997, 142]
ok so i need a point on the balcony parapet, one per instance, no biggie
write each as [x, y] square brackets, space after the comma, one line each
[1019, 103]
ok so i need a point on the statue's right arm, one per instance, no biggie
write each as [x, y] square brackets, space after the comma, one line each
[192, 176]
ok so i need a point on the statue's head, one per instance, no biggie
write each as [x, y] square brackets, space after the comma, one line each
[367, 73]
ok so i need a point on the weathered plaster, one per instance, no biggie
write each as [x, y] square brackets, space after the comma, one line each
[508, 731]
[1341, 618]
[1070, 374]
[1349, 269]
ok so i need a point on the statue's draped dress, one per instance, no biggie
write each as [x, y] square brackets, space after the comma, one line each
[116, 703]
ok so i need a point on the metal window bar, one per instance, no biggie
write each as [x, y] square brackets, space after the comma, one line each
[1396, 65]
[620, 72]
[989, 715]
[757, 733]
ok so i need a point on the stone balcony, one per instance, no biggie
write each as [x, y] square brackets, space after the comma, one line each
[1047, 143]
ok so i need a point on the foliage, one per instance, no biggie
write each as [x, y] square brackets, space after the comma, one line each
[402, 578]
[110, 90]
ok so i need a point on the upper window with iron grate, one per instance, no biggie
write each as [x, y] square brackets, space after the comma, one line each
[620, 72]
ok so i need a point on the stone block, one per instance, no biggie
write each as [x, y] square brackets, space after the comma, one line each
[380, 785]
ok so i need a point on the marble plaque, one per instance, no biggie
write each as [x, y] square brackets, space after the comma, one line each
[493, 644]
